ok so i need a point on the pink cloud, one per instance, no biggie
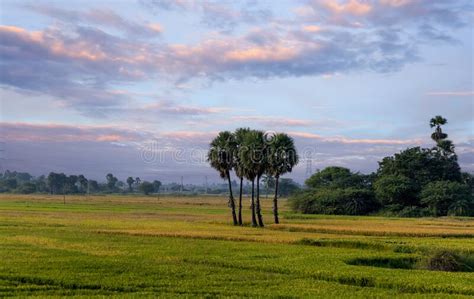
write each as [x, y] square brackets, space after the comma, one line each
[275, 121]
[353, 7]
[345, 140]
[59, 133]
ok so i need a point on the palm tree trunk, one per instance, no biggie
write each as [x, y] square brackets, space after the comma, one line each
[231, 200]
[252, 205]
[259, 211]
[275, 201]
[240, 201]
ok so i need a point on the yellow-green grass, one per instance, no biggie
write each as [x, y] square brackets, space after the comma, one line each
[185, 246]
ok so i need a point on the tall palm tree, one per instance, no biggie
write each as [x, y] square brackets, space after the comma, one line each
[438, 134]
[254, 161]
[238, 164]
[221, 157]
[445, 146]
[282, 157]
[247, 167]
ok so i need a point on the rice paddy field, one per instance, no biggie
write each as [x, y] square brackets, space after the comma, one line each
[136, 247]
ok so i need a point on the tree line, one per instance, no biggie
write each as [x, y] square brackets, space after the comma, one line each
[60, 183]
[415, 182]
[252, 154]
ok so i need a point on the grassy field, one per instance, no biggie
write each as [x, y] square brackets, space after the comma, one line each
[171, 247]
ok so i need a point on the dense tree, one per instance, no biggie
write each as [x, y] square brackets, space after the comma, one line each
[27, 188]
[447, 198]
[146, 187]
[70, 185]
[56, 182]
[221, 158]
[419, 177]
[93, 186]
[83, 183]
[11, 183]
[421, 166]
[282, 157]
[336, 177]
[336, 190]
[111, 181]
[130, 182]
[396, 190]
[156, 186]
[287, 187]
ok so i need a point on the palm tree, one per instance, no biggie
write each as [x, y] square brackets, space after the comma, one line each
[130, 182]
[221, 157]
[438, 134]
[246, 155]
[446, 147]
[254, 160]
[238, 165]
[282, 157]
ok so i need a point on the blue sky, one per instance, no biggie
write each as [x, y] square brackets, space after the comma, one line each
[140, 87]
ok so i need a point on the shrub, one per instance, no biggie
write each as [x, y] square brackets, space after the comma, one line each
[444, 261]
[338, 201]
[445, 197]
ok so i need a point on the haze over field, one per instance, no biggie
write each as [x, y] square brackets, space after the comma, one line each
[140, 88]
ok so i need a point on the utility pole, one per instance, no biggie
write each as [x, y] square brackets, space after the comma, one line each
[182, 186]
[309, 165]
[206, 183]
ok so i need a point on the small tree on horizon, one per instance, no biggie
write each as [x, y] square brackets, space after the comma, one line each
[130, 182]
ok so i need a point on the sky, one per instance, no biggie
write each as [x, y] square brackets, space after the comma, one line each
[139, 88]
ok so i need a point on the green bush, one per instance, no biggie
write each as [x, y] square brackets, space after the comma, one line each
[395, 190]
[448, 198]
[337, 201]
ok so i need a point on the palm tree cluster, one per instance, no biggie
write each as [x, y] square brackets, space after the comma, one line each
[252, 154]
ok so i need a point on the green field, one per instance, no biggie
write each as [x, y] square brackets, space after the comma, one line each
[171, 247]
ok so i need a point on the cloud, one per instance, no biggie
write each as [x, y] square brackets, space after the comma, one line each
[221, 15]
[169, 108]
[80, 66]
[353, 7]
[451, 93]
[29, 132]
[273, 121]
[345, 140]
[102, 17]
